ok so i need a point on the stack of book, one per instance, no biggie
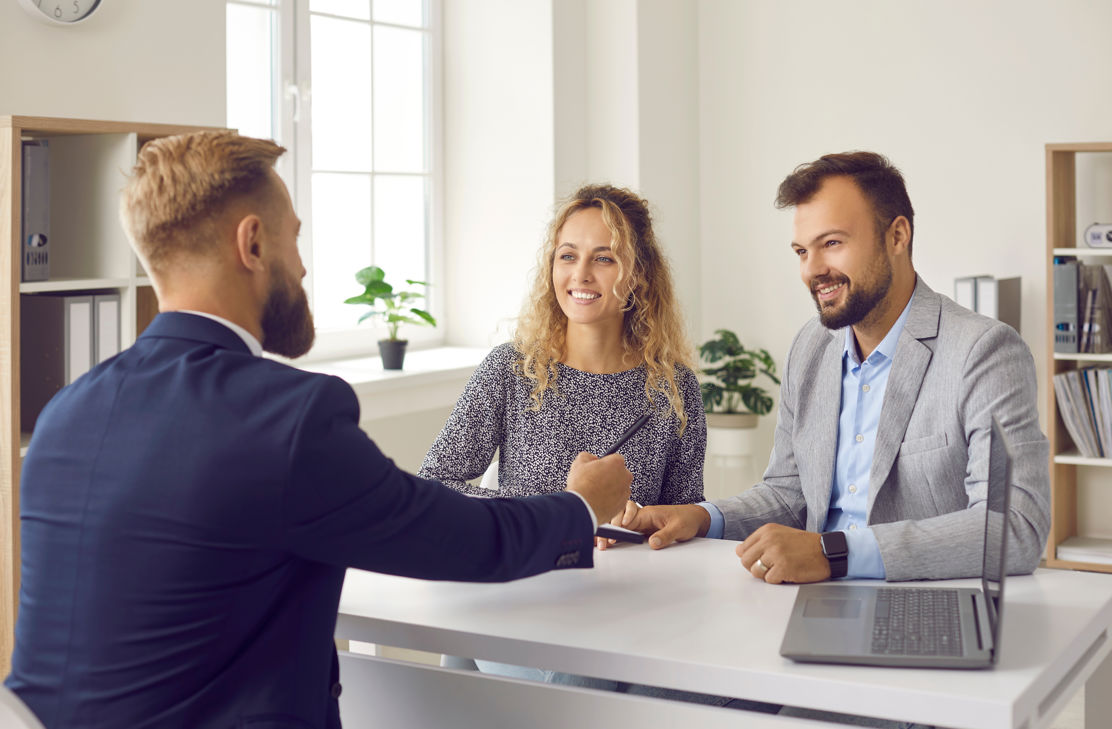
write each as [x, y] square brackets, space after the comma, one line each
[1082, 307]
[1085, 402]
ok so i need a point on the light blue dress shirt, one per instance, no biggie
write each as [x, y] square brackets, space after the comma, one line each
[863, 386]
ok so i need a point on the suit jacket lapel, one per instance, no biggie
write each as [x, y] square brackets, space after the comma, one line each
[909, 366]
[823, 433]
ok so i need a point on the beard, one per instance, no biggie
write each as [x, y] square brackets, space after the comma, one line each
[861, 298]
[287, 322]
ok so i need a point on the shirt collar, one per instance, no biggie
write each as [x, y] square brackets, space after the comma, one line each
[887, 346]
[247, 337]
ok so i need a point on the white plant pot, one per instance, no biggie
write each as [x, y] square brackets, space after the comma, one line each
[729, 460]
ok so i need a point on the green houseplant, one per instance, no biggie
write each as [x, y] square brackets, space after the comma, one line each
[730, 398]
[394, 308]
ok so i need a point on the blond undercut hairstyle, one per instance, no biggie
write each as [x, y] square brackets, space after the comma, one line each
[181, 184]
[652, 328]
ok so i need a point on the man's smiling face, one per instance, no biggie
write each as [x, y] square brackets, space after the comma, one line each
[843, 260]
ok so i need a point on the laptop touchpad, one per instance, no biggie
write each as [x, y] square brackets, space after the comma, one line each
[829, 607]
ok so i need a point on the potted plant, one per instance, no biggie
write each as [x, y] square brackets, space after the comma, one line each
[730, 400]
[394, 308]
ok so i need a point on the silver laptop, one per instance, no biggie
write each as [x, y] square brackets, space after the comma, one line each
[940, 627]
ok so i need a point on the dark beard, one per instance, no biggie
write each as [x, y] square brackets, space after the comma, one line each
[860, 300]
[287, 322]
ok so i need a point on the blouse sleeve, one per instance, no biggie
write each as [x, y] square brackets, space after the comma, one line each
[474, 430]
[683, 475]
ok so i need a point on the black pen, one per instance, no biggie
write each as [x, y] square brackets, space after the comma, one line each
[606, 530]
[637, 424]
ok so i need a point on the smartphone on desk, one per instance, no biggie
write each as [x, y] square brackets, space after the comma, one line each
[619, 534]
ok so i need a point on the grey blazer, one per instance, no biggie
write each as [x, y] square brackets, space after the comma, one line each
[951, 372]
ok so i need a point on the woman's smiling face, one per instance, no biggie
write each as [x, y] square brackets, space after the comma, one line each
[585, 271]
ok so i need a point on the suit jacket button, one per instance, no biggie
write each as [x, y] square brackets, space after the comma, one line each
[337, 689]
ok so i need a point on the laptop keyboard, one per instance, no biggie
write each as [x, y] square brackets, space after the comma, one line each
[917, 622]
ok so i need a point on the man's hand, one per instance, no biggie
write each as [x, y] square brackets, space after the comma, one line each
[669, 524]
[776, 553]
[603, 482]
[620, 519]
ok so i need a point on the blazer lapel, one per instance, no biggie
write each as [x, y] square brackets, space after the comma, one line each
[823, 429]
[909, 365]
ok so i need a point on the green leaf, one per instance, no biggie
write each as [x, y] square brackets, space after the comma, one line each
[369, 275]
[712, 395]
[426, 316]
[379, 289]
[756, 400]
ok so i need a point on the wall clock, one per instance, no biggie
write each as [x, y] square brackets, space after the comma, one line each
[61, 12]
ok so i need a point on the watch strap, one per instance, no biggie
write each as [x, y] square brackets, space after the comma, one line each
[836, 550]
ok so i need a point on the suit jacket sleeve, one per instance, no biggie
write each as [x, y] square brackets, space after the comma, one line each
[998, 378]
[347, 504]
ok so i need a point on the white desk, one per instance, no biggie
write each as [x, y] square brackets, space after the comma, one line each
[688, 617]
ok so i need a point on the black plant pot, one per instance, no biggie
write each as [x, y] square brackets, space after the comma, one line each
[392, 352]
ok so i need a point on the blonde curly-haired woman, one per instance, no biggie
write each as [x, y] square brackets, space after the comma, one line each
[600, 341]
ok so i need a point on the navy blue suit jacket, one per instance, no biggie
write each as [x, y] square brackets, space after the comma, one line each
[188, 511]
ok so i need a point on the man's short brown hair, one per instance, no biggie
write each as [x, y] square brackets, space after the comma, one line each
[876, 177]
[180, 184]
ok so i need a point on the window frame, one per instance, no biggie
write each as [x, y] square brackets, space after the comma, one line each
[292, 127]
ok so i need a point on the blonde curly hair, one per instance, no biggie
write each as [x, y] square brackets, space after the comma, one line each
[652, 327]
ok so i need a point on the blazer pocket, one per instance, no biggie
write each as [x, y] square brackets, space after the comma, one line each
[921, 445]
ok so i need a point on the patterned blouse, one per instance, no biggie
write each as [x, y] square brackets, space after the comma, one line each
[583, 412]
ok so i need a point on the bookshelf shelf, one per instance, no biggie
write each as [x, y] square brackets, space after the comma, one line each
[1073, 458]
[1082, 251]
[88, 252]
[73, 284]
[1066, 547]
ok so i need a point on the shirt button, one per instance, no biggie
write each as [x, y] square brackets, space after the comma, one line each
[853, 488]
[860, 438]
[853, 527]
[864, 388]
[336, 690]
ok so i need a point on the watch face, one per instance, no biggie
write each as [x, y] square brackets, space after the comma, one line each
[62, 11]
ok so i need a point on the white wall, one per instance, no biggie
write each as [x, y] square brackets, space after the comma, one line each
[626, 105]
[961, 96]
[668, 150]
[498, 160]
[133, 60]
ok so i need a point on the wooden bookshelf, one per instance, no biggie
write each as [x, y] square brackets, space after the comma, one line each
[1062, 239]
[88, 163]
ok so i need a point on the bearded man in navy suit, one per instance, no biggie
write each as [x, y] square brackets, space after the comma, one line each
[189, 507]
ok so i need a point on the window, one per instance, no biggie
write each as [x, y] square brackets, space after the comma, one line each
[349, 87]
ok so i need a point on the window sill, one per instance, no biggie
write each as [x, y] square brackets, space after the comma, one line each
[432, 378]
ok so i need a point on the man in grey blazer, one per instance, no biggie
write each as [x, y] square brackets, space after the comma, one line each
[881, 450]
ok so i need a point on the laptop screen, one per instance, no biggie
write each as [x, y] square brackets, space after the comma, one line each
[996, 524]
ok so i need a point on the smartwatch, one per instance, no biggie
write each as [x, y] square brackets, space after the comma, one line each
[836, 549]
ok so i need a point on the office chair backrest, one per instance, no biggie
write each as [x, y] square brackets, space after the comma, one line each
[490, 477]
[14, 714]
